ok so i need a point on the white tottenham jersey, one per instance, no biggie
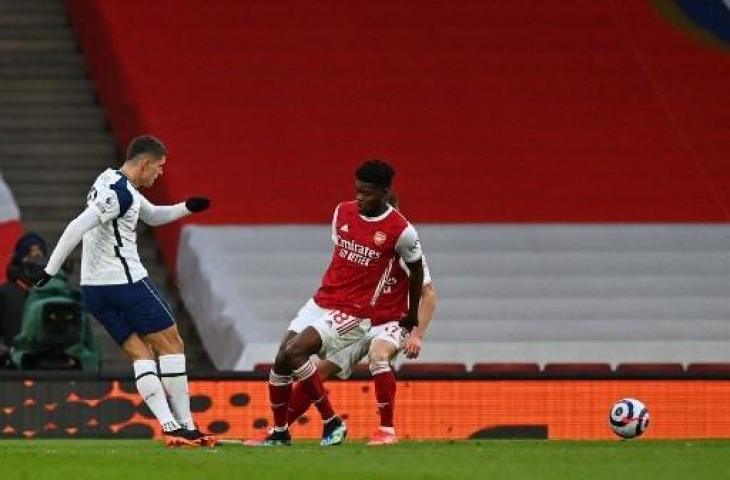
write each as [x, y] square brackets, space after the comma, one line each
[109, 255]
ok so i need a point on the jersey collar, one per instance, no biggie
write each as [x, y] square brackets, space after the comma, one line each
[379, 217]
[129, 180]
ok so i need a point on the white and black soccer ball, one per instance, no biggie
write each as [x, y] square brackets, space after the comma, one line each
[629, 418]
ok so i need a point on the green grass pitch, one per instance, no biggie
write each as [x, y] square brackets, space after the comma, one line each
[513, 460]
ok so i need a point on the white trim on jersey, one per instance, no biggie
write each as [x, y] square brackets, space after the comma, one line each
[334, 223]
[381, 283]
[379, 217]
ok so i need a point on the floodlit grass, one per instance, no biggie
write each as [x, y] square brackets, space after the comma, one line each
[131, 459]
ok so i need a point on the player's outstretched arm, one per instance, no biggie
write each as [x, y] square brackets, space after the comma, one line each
[155, 215]
[71, 237]
[425, 313]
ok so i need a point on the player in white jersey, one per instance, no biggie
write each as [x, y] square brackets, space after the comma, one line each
[118, 292]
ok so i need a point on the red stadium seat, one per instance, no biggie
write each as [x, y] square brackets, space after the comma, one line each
[506, 368]
[650, 368]
[578, 368]
[432, 368]
[715, 368]
[262, 367]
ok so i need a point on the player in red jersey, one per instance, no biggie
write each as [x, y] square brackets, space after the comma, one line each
[369, 236]
[381, 345]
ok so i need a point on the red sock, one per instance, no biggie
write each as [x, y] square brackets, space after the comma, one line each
[385, 395]
[279, 394]
[312, 384]
[298, 403]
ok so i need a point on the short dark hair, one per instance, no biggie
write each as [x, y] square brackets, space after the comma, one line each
[146, 144]
[376, 172]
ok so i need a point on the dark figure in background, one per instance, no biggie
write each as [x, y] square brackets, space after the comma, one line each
[30, 252]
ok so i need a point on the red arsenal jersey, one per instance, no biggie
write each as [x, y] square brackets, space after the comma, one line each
[366, 252]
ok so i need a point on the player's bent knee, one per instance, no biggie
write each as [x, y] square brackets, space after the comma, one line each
[374, 357]
[294, 351]
[178, 342]
[281, 362]
[175, 344]
[381, 352]
[136, 349]
[166, 342]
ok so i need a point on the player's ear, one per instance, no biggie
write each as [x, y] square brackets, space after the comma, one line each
[144, 162]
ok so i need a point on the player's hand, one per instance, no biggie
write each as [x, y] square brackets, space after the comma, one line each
[409, 322]
[413, 345]
[39, 276]
[197, 204]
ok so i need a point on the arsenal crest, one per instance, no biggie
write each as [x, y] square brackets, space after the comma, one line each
[379, 238]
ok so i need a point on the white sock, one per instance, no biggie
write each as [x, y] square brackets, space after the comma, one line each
[150, 388]
[175, 380]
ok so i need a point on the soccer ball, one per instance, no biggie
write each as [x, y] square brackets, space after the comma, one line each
[629, 418]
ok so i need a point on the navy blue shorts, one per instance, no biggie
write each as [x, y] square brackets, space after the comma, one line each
[130, 308]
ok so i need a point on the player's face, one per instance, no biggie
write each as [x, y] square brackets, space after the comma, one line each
[370, 198]
[151, 169]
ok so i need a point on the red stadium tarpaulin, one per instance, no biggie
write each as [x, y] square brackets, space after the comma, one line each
[518, 111]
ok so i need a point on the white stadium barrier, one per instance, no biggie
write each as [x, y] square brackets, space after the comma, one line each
[559, 293]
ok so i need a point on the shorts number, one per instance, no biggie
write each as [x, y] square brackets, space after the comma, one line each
[339, 318]
[392, 330]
